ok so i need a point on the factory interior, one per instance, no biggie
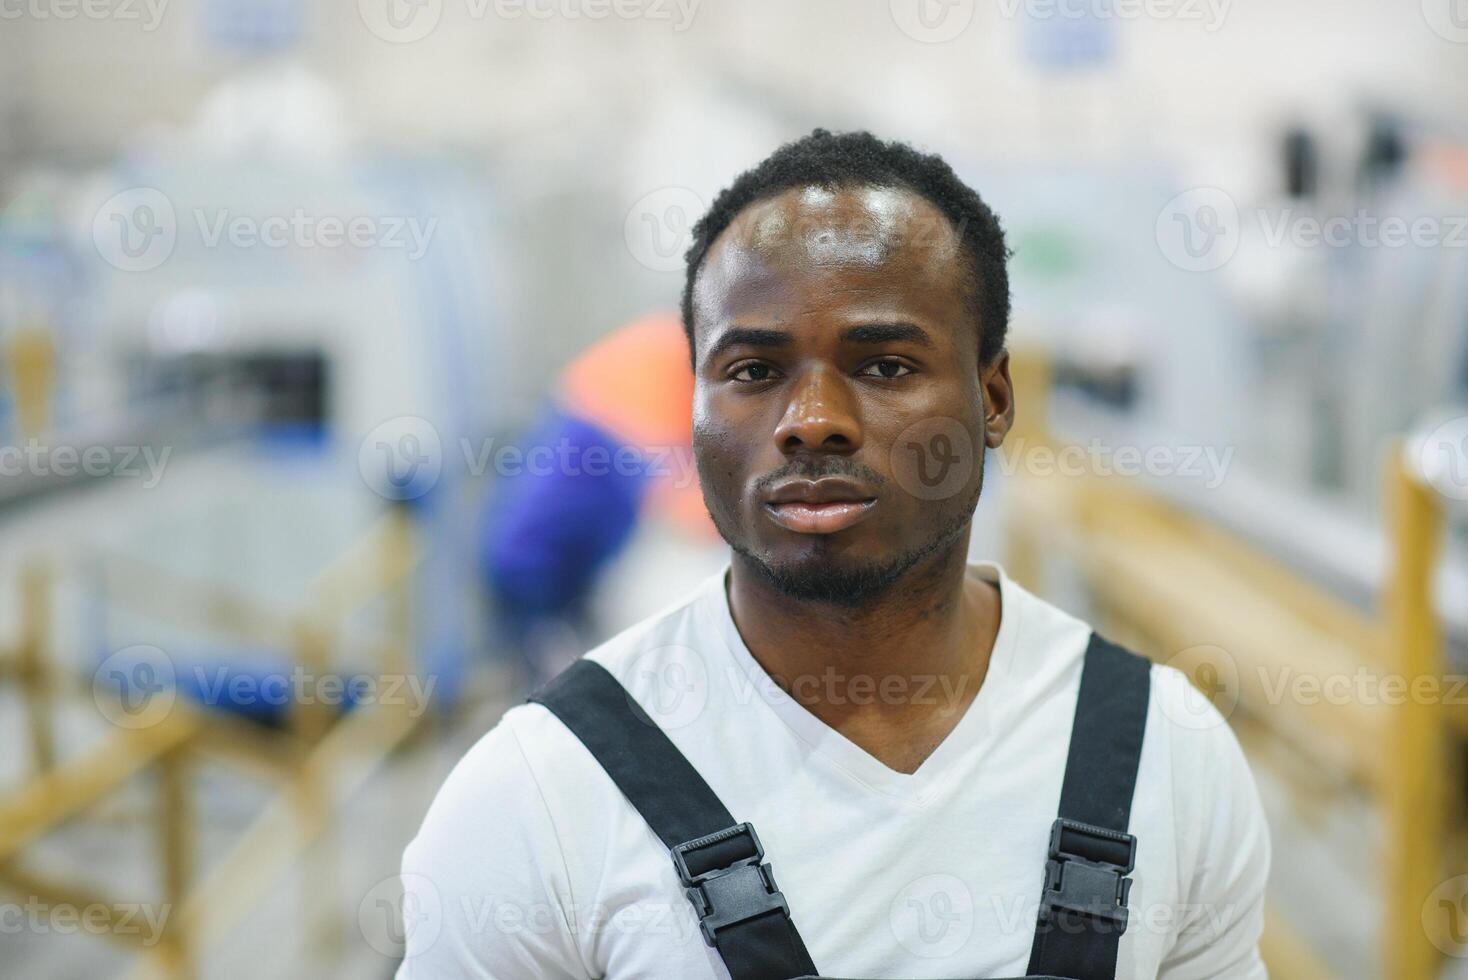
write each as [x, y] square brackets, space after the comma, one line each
[294, 295]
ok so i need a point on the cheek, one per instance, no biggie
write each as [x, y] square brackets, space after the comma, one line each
[711, 429]
[725, 432]
[717, 448]
[931, 450]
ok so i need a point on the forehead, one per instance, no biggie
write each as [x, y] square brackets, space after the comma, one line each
[862, 250]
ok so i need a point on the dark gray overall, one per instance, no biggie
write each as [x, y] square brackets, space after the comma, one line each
[1083, 902]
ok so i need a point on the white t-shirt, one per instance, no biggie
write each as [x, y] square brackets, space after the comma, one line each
[531, 863]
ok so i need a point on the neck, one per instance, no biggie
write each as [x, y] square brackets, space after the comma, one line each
[891, 673]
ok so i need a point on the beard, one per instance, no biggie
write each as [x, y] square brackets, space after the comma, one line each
[828, 579]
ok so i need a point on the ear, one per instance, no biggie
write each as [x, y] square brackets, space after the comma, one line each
[998, 393]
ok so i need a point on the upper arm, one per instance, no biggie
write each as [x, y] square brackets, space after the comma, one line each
[1222, 916]
[486, 893]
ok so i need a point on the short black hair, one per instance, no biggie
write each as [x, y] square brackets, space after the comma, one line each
[833, 160]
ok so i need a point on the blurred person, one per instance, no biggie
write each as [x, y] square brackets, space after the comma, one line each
[612, 447]
[850, 749]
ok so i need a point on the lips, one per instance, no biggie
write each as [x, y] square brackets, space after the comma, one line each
[822, 506]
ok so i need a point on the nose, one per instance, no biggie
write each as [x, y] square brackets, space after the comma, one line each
[821, 416]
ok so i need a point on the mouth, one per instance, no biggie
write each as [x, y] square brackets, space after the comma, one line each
[825, 518]
[819, 507]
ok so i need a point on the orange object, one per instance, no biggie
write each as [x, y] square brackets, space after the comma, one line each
[636, 383]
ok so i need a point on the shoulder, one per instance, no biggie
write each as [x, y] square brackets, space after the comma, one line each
[522, 782]
[1203, 750]
[487, 873]
[1222, 842]
[512, 851]
[1223, 835]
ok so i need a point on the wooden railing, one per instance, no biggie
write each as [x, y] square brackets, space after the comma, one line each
[319, 758]
[1182, 590]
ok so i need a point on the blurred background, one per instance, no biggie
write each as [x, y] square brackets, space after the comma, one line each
[342, 397]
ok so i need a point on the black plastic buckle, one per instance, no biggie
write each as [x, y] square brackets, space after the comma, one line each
[1079, 879]
[733, 893]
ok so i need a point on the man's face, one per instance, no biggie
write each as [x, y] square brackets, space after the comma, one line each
[839, 415]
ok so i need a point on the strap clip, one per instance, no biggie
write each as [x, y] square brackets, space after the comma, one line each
[1086, 873]
[727, 879]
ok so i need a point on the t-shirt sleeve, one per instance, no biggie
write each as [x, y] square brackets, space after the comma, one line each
[1226, 867]
[486, 891]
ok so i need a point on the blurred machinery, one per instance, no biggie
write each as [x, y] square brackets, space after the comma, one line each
[191, 520]
[296, 298]
[1297, 360]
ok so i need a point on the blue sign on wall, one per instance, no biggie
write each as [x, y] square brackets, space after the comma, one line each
[254, 25]
[1068, 34]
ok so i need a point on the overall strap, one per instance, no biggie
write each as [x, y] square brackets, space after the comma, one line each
[1083, 909]
[720, 862]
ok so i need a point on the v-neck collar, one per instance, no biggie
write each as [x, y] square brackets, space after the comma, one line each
[972, 733]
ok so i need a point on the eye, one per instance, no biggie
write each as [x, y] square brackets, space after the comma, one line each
[887, 367]
[753, 371]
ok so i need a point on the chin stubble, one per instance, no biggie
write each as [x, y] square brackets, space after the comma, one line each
[850, 585]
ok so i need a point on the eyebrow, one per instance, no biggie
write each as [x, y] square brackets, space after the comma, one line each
[866, 333]
[886, 333]
[750, 337]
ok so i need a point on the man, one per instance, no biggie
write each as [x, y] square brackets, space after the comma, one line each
[892, 724]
